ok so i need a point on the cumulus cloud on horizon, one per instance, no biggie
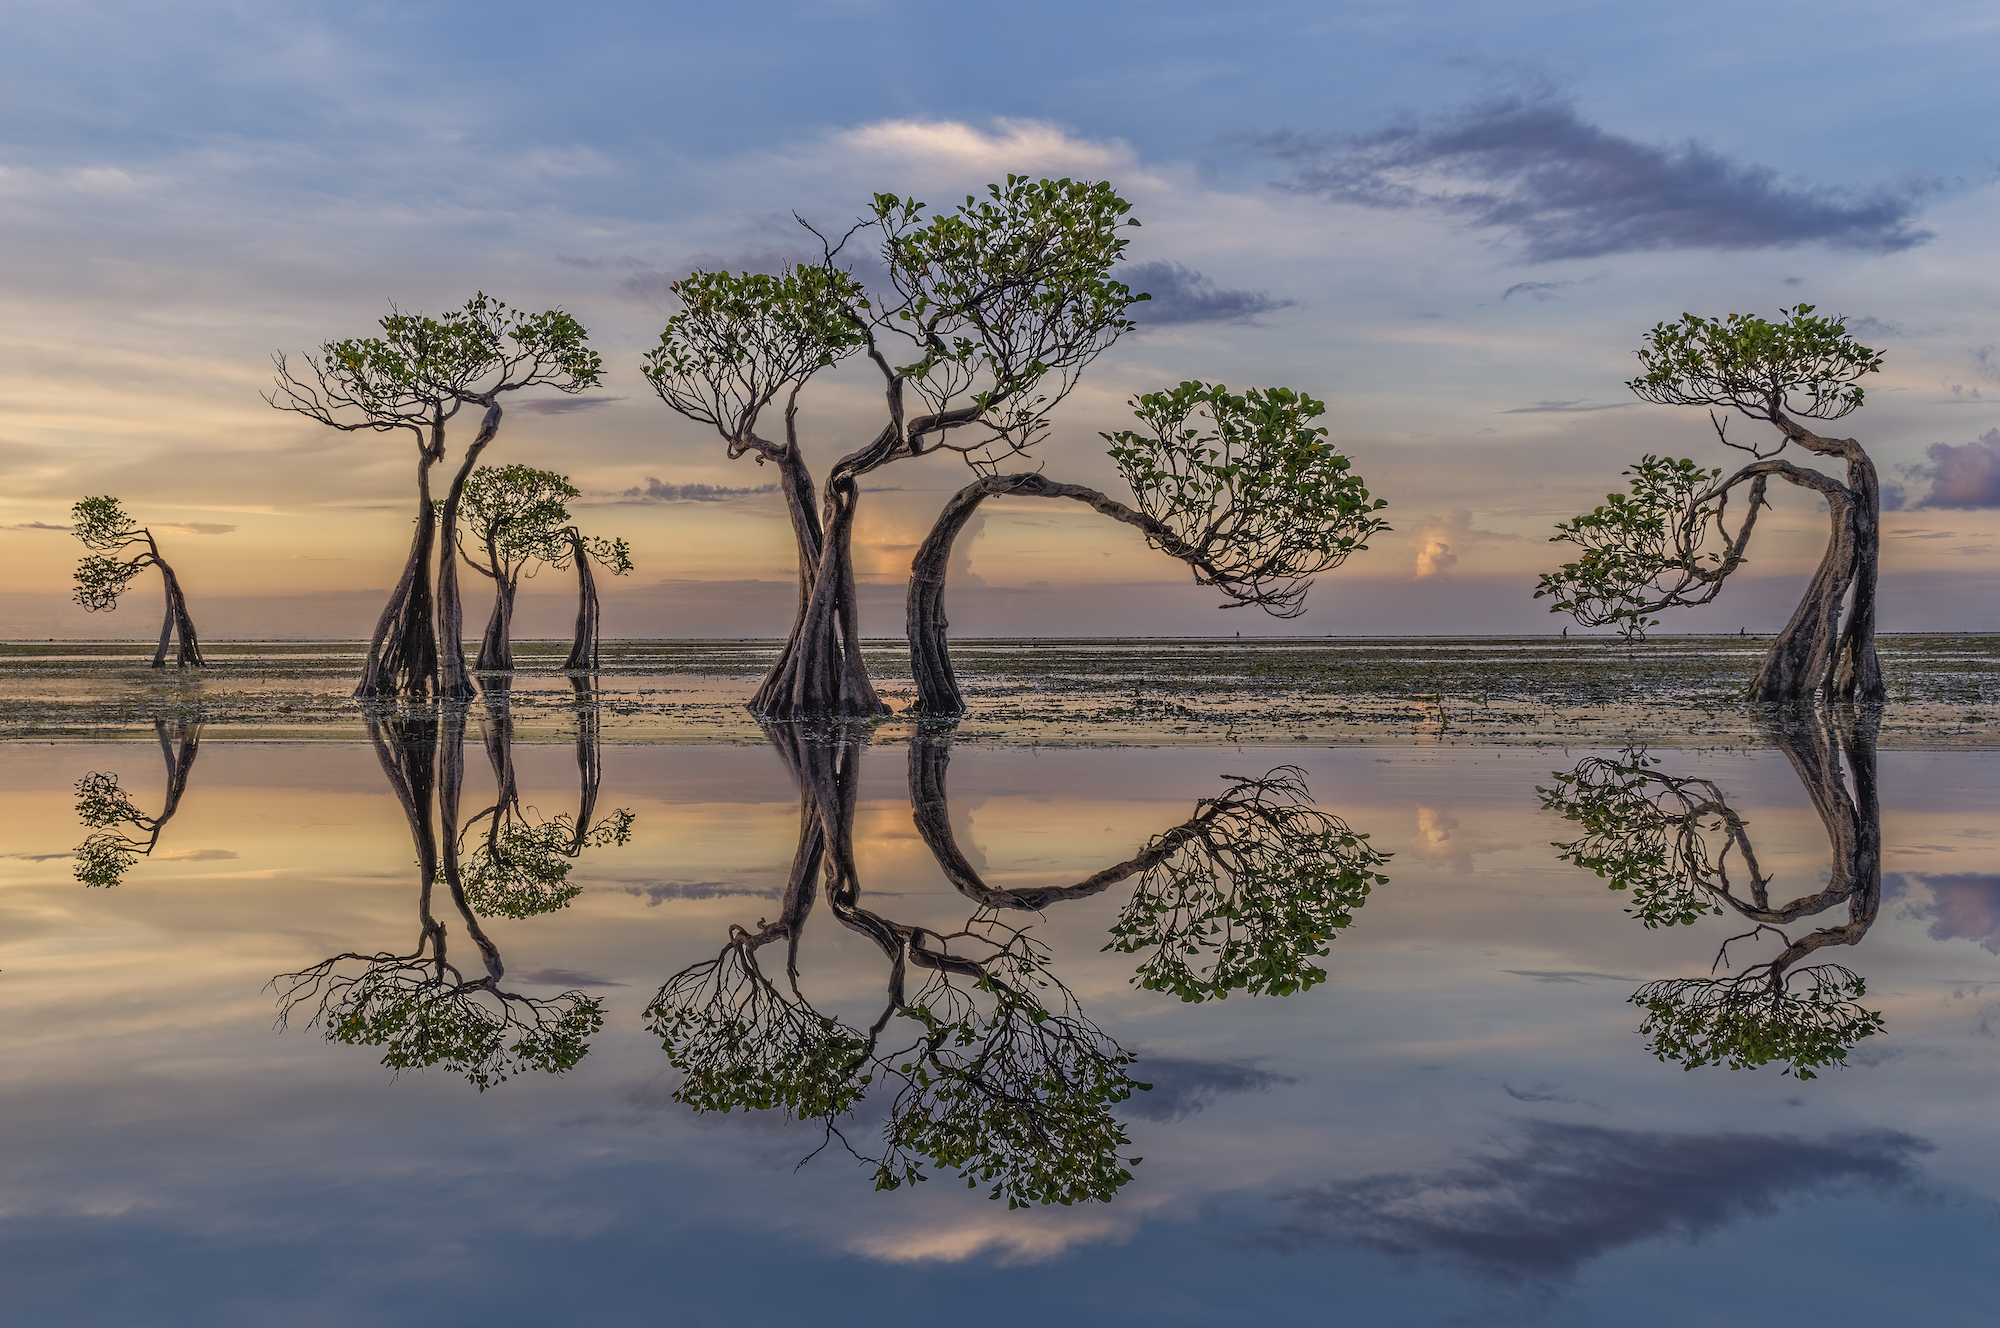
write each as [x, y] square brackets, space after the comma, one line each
[1965, 477]
[1530, 166]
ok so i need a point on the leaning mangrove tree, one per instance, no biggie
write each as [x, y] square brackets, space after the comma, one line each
[121, 549]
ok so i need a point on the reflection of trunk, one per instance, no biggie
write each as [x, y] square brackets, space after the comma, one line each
[583, 651]
[589, 766]
[402, 657]
[930, 654]
[1853, 830]
[176, 619]
[932, 812]
[1816, 656]
[454, 680]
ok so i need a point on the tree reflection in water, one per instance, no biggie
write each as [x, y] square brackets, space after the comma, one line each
[520, 866]
[102, 859]
[1002, 1078]
[421, 1006]
[1671, 841]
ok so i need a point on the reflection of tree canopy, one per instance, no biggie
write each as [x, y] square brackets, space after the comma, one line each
[1003, 1079]
[991, 1068]
[1669, 839]
[101, 803]
[521, 865]
[1243, 895]
[421, 1006]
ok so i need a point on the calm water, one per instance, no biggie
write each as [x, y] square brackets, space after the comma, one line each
[1462, 1123]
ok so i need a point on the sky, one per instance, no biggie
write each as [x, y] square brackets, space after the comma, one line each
[1451, 222]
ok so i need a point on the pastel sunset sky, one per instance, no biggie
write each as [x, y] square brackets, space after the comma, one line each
[1453, 222]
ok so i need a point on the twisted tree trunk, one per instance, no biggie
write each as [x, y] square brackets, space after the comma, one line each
[177, 622]
[496, 651]
[454, 679]
[583, 651]
[930, 654]
[402, 656]
[820, 674]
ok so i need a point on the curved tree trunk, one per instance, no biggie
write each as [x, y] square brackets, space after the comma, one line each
[930, 654]
[402, 656]
[176, 620]
[454, 679]
[1818, 657]
[496, 650]
[583, 650]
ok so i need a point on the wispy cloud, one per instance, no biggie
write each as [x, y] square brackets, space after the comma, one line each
[195, 527]
[1530, 166]
[1559, 1196]
[36, 525]
[1182, 1088]
[1577, 407]
[1182, 295]
[656, 490]
[562, 405]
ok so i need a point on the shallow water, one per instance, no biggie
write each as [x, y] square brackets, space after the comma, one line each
[1461, 1123]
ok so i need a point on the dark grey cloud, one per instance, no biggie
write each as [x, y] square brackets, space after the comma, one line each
[562, 977]
[1182, 1088]
[1565, 975]
[1543, 291]
[1964, 905]
[562, 405]
[1548, 1093]
[1559, 1195]
[36, 525]
[1183, 295]
[1965, 477]
[660, 893]
[1867, 325]
[1563, 408]
[656, 490]
[1563, 188]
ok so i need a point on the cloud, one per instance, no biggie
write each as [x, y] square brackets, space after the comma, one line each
[562, 977]
[658, 894]
[197, 855]
[562, 405]
[1181, 1088]
[1183, 295]
[36, 525]
[1563, 188]
[658, 491]
[1565, 975]
[195, 527]
[1559, 1196]
[1562, 408]
[1023, 147]
[1966, 906]
[1543, 291]
[1548, 1093]
[1965, 477]
[1439, 540]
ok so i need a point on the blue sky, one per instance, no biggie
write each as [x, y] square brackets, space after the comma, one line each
[1452, 222]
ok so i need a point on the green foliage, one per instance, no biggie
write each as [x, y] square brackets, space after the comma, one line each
[421, 363]
[740, 1042]
[1004, 291]
[1009, 1094]
[1642, 551]
[423, 1017]
[742, 338]
[1758, 1018]
[102, 524]
[1756, 366]
[1650, 834]
[1248, 485]
[522, 870]
[613, 555]
[105, 574]
[518, 513]
[103, 859]
[1256, 887]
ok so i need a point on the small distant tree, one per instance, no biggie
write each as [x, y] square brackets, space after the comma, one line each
[987, 316]
[514, 518]
[1241, 487]
[415, 378]
[615, 557]
[1669, 541]
[121, 550]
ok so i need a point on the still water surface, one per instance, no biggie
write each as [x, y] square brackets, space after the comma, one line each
[964, 957]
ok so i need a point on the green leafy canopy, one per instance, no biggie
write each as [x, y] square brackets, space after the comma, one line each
[1801, 364]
